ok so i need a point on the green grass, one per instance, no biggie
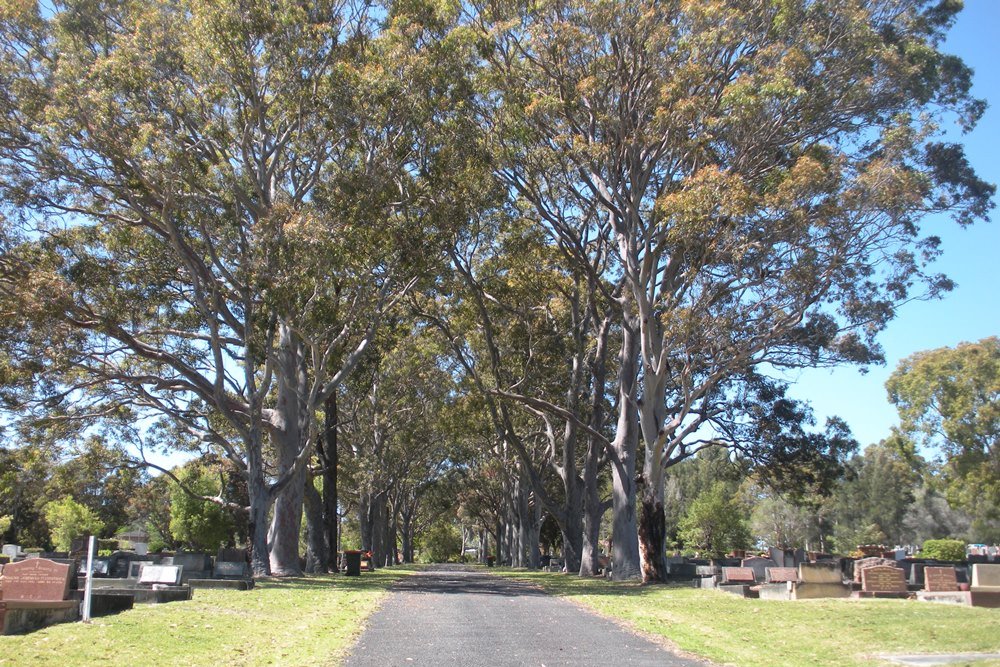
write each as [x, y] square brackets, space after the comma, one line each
[303, 621]
[731, 630]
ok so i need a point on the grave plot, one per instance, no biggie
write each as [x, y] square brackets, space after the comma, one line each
[985, 586]
[941, 585]
[35, 593]
[883, 581]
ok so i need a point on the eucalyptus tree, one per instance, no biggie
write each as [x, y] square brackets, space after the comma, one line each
[760, 171]
[949, 401]
[219, 199]
[531, 340]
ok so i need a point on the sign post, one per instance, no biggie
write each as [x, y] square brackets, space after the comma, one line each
[91, 545]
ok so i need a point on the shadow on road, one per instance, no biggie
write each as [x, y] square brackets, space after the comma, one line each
[458, 581]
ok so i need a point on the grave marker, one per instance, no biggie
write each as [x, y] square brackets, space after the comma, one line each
[169, 575]
[940, 579]
[36, 579]
[882, 579]
[780, 575]
[737, 575]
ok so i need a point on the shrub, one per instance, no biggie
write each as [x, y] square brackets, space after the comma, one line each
[943, 550]
[69, 520]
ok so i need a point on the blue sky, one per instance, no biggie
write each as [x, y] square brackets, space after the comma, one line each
[971, 258]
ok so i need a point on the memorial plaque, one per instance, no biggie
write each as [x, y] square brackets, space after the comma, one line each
[135, 567]
[820, 573]
[759, 566]
[36, 579]
[227, 569]
[883, 579]
[230, 555]
[193, 562]
[986, 576]
[779, 575]
[161, 574]
[737, 575]
[940, 579]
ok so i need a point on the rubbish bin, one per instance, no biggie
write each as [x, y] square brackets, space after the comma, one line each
[352, 561]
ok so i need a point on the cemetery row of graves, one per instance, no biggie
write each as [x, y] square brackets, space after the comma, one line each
[38, 590]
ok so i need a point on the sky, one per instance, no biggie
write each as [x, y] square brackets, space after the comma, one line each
[971, 257]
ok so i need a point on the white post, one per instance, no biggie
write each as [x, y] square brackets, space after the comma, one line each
[91, 545]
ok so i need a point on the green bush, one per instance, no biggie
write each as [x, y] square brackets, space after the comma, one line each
[69, 520]
[943, 550]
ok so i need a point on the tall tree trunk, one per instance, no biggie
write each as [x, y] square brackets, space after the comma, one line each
[652, 535]
[317, 556]
[406, 534]
[377, 522]
[625, 541]
[593, 512]
[289, 422]
[593, 508]
[257, 523]
[327, 452]
[364, 521]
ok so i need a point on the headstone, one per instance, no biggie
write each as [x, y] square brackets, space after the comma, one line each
[135, 568]
[986, 576]
[228, 569]
[682, 571]
[706, 570]
[800, 556]
[737, 575]
[759, 566]
[820, 573]
[102, 567]
[779, 575]
[161, 574]
[193, 562]
[230, 555]
[36, 579]
[11, 551]
[882, 579]
[940, 579]
[862, 563]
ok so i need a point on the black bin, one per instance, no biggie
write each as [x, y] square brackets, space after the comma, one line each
[352, 561]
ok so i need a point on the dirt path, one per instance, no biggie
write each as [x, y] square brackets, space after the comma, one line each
[454, 616]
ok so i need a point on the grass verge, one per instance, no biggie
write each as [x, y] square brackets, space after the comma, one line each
[730, 630]
[302, 621]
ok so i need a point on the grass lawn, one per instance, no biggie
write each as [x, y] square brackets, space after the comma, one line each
[730, 630]
[304, 621]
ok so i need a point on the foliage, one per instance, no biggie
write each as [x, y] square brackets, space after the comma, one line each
[714, 523]
[760, 192]
[872, 500]
[194, 522]
[948, 550]
[69, 520]
[949, 400]
[440, 543]
[5, 522]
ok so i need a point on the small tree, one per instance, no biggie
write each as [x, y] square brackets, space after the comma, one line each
[715, 523]
[195, 522]
[69, 520]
